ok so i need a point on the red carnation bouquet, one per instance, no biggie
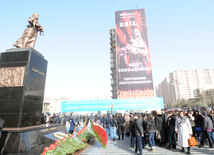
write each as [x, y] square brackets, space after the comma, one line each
[101, 134]
[67, 145]
[85, 134]
[70, 144]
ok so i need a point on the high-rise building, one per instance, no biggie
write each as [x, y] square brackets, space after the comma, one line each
[184, 84]
[113, 64]
[131, 68]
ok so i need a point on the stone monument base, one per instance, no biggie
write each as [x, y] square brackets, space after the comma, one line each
[29, 140]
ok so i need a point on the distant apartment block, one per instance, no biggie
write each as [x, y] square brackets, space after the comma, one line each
[185, 84]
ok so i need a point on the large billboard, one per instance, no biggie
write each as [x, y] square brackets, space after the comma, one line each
[133, 55]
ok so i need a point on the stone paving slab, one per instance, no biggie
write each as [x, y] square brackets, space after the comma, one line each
[122, 147]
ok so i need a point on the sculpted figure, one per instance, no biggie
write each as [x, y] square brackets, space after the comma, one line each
[137, 49]
[28, 38]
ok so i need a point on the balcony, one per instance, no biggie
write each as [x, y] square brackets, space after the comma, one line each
[113, 82]
[113, 65]
[112, 39]
[113, 44]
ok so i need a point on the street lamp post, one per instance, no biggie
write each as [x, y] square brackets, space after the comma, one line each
[111, 106]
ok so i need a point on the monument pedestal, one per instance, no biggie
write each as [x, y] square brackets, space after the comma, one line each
[22, 83]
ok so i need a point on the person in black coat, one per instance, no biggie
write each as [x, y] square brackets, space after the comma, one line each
[198, 127]
[144, 128]
[160, 126]
[171, 133]
[96, 118]
[42, 119]
[120, 123]
[139, 133]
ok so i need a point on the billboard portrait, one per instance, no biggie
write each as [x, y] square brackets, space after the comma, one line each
[133, 55]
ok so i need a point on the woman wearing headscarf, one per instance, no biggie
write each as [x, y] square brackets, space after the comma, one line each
[160, 126]
[184, 130]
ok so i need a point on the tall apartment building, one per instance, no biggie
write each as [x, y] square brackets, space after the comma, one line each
[184, 84]
[113, 64]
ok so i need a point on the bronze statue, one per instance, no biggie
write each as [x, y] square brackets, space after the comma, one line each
[28, 39]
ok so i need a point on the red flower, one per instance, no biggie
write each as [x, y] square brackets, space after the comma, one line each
[71, 136]
[101, 133]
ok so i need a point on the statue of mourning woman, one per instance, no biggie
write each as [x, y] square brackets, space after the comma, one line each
[28, 38]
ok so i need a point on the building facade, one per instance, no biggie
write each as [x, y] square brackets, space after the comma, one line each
[53, 105]
[184, 84]
[113, 64]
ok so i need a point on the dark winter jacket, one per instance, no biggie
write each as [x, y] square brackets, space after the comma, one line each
[63, 120]
[120, 121]
[91, 117]
[114, 122]
[131, 125]
[138, 127]
[43, 120]
[56, 120]
[160, 126]
[150, 127]
[171, 123]
[144, 125]
[198, 121]
[207, 122]
[96, 118]
[108, 121]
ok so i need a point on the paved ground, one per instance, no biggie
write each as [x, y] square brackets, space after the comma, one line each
[122, 148]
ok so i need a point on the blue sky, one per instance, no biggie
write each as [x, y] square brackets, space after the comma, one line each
[76, 41]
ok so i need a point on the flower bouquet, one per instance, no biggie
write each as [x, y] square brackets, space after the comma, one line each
[65, 146]
[100, 134]
[69, 144]
[85, 134]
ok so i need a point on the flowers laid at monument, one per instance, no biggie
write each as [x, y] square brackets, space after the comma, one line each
[100, 132]
[69, 144]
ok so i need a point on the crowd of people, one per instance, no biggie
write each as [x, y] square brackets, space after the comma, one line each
[167, 128]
